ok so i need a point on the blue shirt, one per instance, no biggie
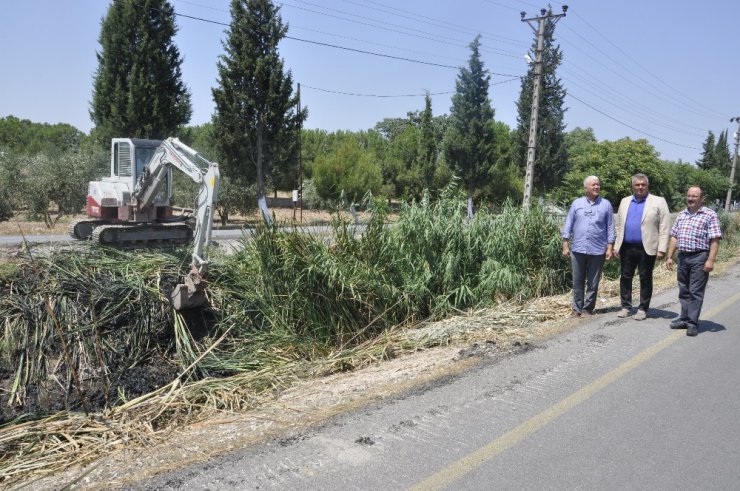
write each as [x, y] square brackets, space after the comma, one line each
[633, 224]
[589, 226]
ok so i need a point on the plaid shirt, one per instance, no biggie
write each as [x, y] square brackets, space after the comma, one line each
[694, 231]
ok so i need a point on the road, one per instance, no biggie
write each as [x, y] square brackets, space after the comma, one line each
[612, 404]
[229, 237]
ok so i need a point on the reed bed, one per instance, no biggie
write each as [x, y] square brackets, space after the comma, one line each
[85, 332]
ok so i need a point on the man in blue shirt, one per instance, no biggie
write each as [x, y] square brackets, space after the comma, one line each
[588, 239]
[643, 233]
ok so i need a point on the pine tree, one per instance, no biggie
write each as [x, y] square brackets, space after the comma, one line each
[137, 88]
[551, 155]
[256, 120]
[469, 147]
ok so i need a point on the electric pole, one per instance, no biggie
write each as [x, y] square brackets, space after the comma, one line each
[734, 163]
[532, 145]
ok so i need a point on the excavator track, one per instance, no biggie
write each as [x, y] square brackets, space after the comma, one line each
[83, 229]
[144, 234]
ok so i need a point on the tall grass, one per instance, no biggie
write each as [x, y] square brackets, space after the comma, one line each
[80, 323]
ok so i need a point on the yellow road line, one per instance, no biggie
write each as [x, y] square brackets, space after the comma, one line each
[473, 460]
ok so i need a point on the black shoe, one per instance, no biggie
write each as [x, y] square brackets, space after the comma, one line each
[692, 330]
[678, 324]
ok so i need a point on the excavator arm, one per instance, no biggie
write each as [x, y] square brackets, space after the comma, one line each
[172, 153]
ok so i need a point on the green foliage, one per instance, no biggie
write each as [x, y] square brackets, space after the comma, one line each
[24, 137]
[350, 169]
[507, 182]
[469, 147]
[426, 157]
[137, 87]
[257, 122]
[707, 159]
[431, 262]
[551, 155]
[52, 178]
[11, 187]
[615, 162]
[685, 175]
[471, 115]
[58, 179]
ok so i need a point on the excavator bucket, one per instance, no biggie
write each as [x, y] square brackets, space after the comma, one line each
[190, 294]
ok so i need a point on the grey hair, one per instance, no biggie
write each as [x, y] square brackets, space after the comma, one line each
[590, 178]
[640, 177]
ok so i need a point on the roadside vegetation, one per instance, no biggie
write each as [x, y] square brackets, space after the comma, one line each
[92, 356]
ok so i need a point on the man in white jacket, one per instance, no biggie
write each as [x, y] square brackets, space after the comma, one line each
[643, 233]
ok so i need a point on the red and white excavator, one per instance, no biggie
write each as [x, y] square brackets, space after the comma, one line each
[133, 207]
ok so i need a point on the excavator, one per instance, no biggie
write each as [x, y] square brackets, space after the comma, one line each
[133, 207]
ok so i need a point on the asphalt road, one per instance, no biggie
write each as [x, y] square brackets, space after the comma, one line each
[613, 404]
[229, 237]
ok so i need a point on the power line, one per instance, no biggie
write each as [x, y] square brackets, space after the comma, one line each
[660, 79]
[434, 22]
[355, 94]
[417, 33]
[630, 126]
[355, 50]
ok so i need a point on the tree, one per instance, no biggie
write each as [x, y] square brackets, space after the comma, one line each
[350, 170]
[137, 88]
[706, 161]
[257, 122]
[24, 137]
[551, 156]
[615, 162]
[469, 144]
[722, 155]
[426, 157]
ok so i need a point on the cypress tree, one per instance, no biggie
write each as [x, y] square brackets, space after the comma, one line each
[427, 154]
[137, 88]
[468, 144]
[551, 156]
[722, 155]
[256, 120]
[706, 161]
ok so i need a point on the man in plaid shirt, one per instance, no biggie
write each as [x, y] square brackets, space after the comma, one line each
[696, 235]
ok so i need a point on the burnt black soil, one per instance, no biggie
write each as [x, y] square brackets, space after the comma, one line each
[123, 383]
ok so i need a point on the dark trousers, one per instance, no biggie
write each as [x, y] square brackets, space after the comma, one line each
[692, 281]
[586, 270]
[633, 256]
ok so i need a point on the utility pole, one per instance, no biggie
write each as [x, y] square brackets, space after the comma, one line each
[531, 146]
[300, 157]
[734, 163]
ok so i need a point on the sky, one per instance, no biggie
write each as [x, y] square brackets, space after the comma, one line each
[663, 71]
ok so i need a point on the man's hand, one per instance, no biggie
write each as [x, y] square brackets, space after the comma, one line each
[660, 255]
[708, 265]
[669, 264]
[566, 248]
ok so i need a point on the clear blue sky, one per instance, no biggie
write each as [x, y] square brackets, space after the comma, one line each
[654, 69]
